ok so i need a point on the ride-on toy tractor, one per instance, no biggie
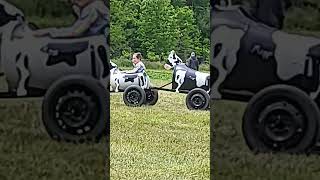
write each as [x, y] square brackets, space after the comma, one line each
[277, 73]
[136, 87]
[71, 74]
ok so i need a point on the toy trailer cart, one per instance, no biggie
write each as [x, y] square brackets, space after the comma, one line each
[184, 80]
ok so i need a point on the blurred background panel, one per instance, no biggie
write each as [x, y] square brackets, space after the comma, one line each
[26, 149]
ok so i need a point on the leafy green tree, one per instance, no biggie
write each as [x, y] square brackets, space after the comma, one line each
[118, 22]
[156, 27]
[188, 36]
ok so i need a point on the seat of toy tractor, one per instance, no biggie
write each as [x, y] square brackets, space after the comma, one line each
[131, 76]
[59, 52]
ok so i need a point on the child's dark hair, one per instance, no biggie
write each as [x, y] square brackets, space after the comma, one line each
[138, 55]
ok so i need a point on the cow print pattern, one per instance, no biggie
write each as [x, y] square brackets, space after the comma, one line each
[249, 56]
[57, 53]
[5, 18]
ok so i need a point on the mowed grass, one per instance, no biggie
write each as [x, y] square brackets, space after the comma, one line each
[233, 160]
[165, 141]
[27, 152]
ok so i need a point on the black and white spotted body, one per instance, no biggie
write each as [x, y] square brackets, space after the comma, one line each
[31, 62]
[185, 78]
[248, 56]
[119, 81]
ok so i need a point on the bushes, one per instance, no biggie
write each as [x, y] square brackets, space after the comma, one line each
[44, 8]
[46, 13]
[122, 62]
[126, 62]
[44, 22]
[155, 27]
[306, 19]
[153, 65]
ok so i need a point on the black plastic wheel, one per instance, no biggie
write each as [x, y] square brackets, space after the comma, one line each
[152, 96]
[75, 108]
[197, 99]
[280, 118]
[134, 96]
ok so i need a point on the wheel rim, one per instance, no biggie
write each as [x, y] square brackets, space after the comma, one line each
[149, 95]
[134, 97]
[281, 125]
[76, 111]
[198, 101]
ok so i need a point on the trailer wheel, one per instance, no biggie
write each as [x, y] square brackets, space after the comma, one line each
[152, 96]
[75, 109]
[280, 118]
[134, 96]
[197, 99]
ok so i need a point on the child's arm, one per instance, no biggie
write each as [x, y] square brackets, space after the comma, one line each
[79, 28]
[134, 70]
[138, 68]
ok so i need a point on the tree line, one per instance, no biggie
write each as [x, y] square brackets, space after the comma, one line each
[155, 27]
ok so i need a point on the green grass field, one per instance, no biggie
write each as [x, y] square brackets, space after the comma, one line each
[165, 141]
[233, 160]
[27, 152]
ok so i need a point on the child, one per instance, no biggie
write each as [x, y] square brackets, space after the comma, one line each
[93, 19]
[139, 67]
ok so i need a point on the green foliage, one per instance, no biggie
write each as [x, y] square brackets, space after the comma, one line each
[122, 62]
[126, 63]
[156, 30]
[303, 19]
[44, 8]
[160, 75]
[188, 39]
[155, 27]
[51, 22]
[152, 56]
